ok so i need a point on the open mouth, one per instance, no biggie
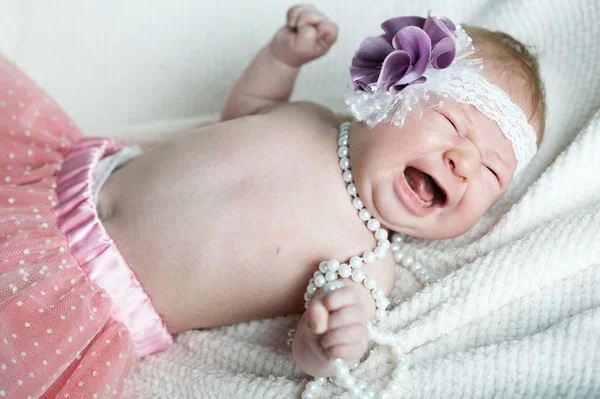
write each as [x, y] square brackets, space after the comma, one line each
[425, 187]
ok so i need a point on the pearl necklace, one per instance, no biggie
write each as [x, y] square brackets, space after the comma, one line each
[327, 277]
[329, 271]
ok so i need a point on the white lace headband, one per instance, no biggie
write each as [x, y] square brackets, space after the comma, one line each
[423, 62]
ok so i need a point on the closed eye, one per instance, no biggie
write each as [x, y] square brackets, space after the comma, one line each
[495, 174]
[452, 123]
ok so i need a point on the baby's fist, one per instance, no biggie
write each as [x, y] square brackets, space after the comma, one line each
[307, 35]
[339, 323]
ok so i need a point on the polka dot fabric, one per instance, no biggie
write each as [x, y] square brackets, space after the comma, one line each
[58, 338]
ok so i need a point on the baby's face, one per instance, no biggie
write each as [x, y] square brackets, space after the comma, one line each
[435, 176]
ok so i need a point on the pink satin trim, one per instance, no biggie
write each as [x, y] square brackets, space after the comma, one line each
[97, 253]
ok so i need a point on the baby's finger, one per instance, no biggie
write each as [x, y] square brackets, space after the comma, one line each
[339, 298]
[351, 353]
[327, 31]
[345, 316]
[309, 17]
[294, 12]
[352, 334]
[306, 34]
[318, 317]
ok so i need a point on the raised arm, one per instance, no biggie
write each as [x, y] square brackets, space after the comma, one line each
[270, 77]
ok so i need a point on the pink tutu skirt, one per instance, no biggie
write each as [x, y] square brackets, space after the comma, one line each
[73, 317]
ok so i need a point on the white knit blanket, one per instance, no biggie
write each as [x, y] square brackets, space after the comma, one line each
[516, 310]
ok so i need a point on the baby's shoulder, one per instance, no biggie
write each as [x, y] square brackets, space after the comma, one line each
[305, 112]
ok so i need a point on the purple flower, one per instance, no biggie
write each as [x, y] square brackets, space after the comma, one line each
[401, 56]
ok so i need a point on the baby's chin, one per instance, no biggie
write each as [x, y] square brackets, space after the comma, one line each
[431, 227]
[433, 232]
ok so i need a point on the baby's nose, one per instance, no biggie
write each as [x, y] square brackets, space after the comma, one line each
[463, 160]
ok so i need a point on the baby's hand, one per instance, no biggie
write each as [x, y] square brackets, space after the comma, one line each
[339, 324]
[307, 35]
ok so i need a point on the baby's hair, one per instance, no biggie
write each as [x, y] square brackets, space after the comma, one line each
[509, 56]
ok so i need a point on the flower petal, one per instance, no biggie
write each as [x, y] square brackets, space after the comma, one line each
[394, 67]
[372, 51]
[366, 63]
[397, 87]
[443, 53]
[448, 23]
[363, 76]
[417, 44]
[394, 25]
[437, 29]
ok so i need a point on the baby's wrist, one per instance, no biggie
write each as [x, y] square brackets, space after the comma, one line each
[280, 60]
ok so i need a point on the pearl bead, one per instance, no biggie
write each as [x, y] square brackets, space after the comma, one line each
[380, 313]
[382, 303]
[307, 296]
[395, 247]
[415, 267]
[381, 234]
[344, 163]
[351, 188]
[312, 386]
[397, 237]
[307, 395]
[333, 265]
[337, 362]
[343, 152]
[357, 203]
[364, 215]
[356, 391]
[385, 243]
[320, 281]
[379, 252]
[330, 276]
[311, 288]
[345, 271]
[377, 293]
[407, 261]
[320, 380]
[370, 283]
[356, 262]
[347, 176]
[358, 275]
[398, 256]
[323, 267]
[369, 257]
[315, 274]
[343, 141]
[373, 224]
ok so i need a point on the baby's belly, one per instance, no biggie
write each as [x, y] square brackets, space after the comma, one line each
[211, 242]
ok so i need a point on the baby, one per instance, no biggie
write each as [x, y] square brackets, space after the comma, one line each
[230, 222]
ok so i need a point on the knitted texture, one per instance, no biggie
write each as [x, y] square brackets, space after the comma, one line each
[516, 311]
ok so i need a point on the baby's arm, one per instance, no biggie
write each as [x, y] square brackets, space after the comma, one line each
[334, 325]
[270, 77]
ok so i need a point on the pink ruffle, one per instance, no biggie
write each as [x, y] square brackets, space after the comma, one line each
[98, 254]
